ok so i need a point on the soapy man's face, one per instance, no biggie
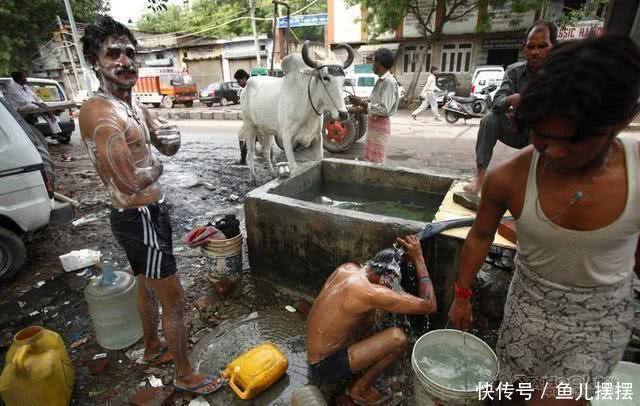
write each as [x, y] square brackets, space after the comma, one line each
[117, 63]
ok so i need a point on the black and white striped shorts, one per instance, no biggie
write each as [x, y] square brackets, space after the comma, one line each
[145, 235]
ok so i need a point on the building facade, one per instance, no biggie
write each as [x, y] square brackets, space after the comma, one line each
[460, 50]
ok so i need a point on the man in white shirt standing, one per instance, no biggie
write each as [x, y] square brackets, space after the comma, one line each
[22, 98]
[382, 104]
[428, 96]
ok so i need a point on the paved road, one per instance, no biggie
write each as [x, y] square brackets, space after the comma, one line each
[422, 144]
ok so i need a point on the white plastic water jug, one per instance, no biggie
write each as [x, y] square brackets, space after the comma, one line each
[112, 305]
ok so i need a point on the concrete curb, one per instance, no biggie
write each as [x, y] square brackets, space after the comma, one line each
[202, 115]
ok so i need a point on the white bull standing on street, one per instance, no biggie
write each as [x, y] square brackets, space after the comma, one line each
[291, 107]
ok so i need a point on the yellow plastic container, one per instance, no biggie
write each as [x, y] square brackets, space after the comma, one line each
[37, 370]
[256, 370]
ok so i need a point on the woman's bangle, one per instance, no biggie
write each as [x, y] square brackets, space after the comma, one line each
[424, 279]
[462, 293]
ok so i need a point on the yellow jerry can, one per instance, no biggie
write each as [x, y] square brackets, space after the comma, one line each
[37, 370]
[256, 370]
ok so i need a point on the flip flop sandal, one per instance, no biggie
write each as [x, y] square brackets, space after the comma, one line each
[201, 385]
[155, 358]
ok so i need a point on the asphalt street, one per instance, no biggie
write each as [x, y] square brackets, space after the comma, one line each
[421, 144]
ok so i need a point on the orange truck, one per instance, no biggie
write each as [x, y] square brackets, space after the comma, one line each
[165, 87]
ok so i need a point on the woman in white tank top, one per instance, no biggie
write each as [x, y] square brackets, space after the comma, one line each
[575, 195]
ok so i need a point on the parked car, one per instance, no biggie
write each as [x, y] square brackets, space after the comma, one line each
[485, 76]
[27, 200]
[361, 85]
[260, 71]
[220, 93]
[52, 94]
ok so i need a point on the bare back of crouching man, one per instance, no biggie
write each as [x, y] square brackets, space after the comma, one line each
[118, 134]
[340, 339]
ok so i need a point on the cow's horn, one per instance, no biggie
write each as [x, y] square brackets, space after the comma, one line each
[350, 52]
[305, 56]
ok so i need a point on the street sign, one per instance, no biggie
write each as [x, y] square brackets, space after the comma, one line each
[304, 20]
[580, 30]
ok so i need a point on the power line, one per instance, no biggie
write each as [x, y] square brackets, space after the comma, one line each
[214, 27]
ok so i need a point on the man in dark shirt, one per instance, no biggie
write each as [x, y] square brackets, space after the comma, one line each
[241, 76]
[497, 125]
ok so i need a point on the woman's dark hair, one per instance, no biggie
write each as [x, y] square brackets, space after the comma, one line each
[95, 34]
[595, 82]
[433, 68]
[551, 27]
[384, 56]
[241, 74]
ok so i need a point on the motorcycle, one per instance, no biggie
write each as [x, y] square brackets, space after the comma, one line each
[457, 107]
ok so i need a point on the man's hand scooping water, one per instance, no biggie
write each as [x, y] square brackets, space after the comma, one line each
[340, 340]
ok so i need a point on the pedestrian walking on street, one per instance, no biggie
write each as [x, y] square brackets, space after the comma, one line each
[497, 124]
[241, 76]
[382, 104]
[569, 312]
[119, 134]
[428, 96]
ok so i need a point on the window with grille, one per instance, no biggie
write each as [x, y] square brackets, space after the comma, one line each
[456, 58]
[411, 58]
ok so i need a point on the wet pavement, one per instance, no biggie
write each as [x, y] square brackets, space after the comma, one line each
[200, 182]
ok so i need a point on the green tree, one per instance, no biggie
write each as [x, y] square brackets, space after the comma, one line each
[385, 15]
[206, 15]
[26, 24]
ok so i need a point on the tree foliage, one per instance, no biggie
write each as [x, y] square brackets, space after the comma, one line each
[206, 15]
[26, 24]
[590, 10]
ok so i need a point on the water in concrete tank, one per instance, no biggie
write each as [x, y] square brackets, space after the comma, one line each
[392, 202]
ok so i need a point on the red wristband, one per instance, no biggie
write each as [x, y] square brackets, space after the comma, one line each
[463, 293]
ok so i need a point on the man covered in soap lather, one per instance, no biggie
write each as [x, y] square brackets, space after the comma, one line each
[340, 337]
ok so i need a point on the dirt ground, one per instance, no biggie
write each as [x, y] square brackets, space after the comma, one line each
[200, 183]
[43, 294]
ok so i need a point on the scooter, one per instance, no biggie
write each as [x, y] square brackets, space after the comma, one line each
[457, 107]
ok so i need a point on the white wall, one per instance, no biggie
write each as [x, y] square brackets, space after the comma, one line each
[345, 27]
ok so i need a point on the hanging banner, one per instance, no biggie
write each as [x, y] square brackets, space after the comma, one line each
[304, 20]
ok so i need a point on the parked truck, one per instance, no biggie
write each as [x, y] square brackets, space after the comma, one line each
[165, 87]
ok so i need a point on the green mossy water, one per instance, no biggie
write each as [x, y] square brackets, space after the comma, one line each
[405, 204]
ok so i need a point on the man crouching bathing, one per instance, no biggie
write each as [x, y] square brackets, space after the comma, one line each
[341, 321]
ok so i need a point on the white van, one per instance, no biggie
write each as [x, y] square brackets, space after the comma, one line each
[363, 83]
[485, 76]
[27, 202]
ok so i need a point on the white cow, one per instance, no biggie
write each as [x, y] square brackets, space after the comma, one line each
[291, 107]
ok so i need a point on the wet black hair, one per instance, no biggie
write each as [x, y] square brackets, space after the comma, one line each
[594, 81]
[96, 34]
[241, 74]
[17, 75]
[385, 57]
[388, 264]
[551, 27]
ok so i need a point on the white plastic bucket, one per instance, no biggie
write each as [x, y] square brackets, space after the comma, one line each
[224, 259]
[428, 391]
[624, 373]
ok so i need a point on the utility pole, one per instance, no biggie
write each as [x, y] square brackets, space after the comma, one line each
[71, 58]
[74, 32]
[252, 6]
